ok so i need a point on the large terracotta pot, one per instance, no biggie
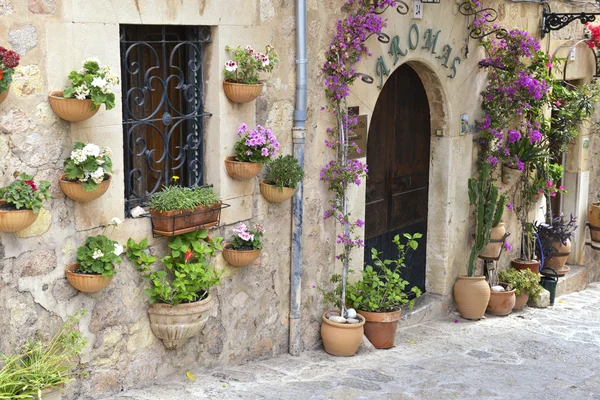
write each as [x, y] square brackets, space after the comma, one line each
[242, 171]
[178, 222]
[501, 303]
[494, 247]
[519, 265]
[71, 109]
[239, 258]
[594, 219]
[557, 262]
[471, 294]
[176, 324]
[76, 192]
[242, 93]
[4, 95]
[88, 283]
[510, 176]
[341, 339]
[15, 220]
[521, 301]
[275, 194]
[380, 328]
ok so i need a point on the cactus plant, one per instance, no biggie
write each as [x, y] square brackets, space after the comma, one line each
[483, 194]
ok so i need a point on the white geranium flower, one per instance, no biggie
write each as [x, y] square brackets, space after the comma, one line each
[231, 66]
[265, 61]
[99, 161]
[78, 157]
[98, 175]
[97, 254]
[118, 249]
[116, 220]
[99, 82]
[91, 149]
[105, 151]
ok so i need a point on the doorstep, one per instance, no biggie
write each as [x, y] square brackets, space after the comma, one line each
[573, 281]
[428, 307]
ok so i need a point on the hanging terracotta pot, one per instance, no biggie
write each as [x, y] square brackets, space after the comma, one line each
[494, 247]
[510, 176]
[242, 170]
[594, 219]
[4, 95]
[341, 339]
[178, 222]
[380, 328]
[88, 283]
[241, 92]
[557, 262]
[533, 265]
[176, 324]
[15, 220]
[274, 194]
[239, 258]
[472, 294]
[76, 192]
[71, 109]
[501, 303]
[521, 301]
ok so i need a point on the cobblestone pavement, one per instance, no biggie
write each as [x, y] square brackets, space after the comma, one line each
[551, 353]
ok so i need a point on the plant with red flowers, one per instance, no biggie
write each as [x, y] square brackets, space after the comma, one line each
[24, 193]
[593, 34]
[9, 60]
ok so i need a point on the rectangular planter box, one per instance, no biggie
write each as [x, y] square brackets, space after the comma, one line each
[178, 222]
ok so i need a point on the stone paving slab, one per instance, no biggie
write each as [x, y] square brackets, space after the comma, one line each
[551, 353]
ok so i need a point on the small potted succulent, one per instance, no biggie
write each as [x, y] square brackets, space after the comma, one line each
[90, 87]
[179, 293]
[9, 60]
[281, 179]
[525, 282]
[176, 210]
[555, 242]
[87, 172]
[255, 148]
[245, 246]
[21, 201]
[96, 262]
[241, 83]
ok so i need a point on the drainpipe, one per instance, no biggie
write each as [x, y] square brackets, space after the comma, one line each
[298, 138]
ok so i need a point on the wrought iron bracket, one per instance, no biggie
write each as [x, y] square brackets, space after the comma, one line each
[556, 21]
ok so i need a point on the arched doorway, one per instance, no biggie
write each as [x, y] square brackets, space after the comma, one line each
[398, 153]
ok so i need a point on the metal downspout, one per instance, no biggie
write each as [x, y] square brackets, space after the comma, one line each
[298, 138]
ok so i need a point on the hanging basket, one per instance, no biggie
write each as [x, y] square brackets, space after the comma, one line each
[15, 220]
[4, 95]
[76, 192]
[274, 194]
[241, 92]
[242, 171]
[239, 258]
[71, 109]
[88, 283]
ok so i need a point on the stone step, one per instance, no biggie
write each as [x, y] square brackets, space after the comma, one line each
[428, 307]
[573, 281]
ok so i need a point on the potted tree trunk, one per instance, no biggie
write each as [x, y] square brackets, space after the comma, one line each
[245, 246]
[87, 172]
[179, 293]
[254, 149]
[525, 282]
[471, 292]
[21, 201]
[281, 179]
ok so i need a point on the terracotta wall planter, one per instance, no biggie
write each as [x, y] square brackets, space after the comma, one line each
[510, 176]
[239, 258]
[176, 324]
[15, 220]
[4, 95]
[178, 222]
[380, 328]
[501, 303]
[341, 339]
[557, 262]
[494, 247]
[274, 194]
[472, 295]
[71, 109]
[76, 192]
[242, 171]
[519, 265]
[594, 220]
[87, 283]
[521, 301]
[242, 93]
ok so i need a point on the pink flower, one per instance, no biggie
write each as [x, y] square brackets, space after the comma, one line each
[553, 194]
[509, 206]
[561, 187]
[549, 184]
[540, 191]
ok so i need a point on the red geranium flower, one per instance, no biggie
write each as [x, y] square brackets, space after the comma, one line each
[188, 255]
[32, 184]
[1, 73]
[11, 59]
[208, 239]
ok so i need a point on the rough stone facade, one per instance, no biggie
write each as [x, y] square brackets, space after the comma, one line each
[250, 319]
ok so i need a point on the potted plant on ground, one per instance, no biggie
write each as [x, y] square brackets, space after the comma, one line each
[176, 210]
[241, 83]
[254, 149]
[91, 87]
[179, 293]
[555, 242]
[96, 262]
[471, 292]
[281, 179]
[21, 201]
[594, 219]
[525, 282]
[9, 60]
[87, 172]
[380, 294]
[245, 246]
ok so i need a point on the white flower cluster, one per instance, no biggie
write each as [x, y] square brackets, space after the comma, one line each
[105, 80]
[91, 150]
[97, 254]
[82, 91]
[118, 249]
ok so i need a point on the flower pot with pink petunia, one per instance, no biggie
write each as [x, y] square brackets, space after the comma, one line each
[245, 246]
[255, 148]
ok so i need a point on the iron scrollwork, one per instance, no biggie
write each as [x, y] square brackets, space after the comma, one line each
[467, 9]
[556, 21]
[402, 8]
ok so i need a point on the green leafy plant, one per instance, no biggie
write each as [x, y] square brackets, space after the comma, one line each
[183, 198]
[25, 193]
[245, 239]
[40, 364]
[523, 281]
[100, 254]
[187, 275]
[94, 81]
[246, 63]
[88, 164]
[378, 291]
[284, 171]
[9, 60]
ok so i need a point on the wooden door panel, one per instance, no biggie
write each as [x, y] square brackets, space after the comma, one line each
[408, 208]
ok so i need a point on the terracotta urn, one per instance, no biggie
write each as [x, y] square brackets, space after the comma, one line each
[341, 339]
[557, 262]
[472, 294]
[494, 247]
[501, 303]
[239, 258]
[241, 92]
[521, 301]
[73, 110]
[76, 192]
[510, 176]
[380, 328]
[594, 220]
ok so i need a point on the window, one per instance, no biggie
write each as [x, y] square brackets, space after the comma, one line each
[163, 108]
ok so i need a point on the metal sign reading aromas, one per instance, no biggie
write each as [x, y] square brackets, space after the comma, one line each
[358, 133]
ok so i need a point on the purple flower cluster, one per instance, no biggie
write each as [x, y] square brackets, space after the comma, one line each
[258, 145]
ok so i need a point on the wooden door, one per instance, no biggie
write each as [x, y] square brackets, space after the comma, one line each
[398, 159]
